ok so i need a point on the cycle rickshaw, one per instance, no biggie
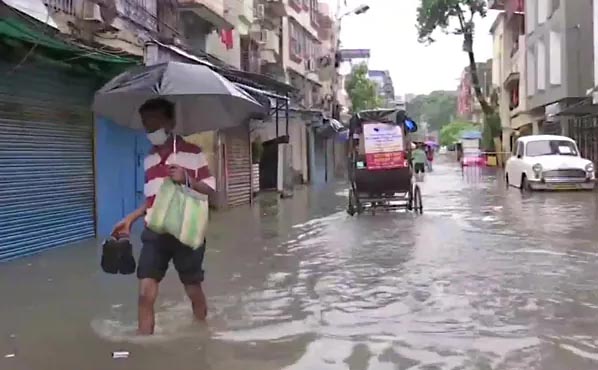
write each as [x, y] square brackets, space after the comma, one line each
[379, 169]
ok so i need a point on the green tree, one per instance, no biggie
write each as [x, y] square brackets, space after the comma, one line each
[437, 109]
[450, 134]
[362, 91]
[439, 14]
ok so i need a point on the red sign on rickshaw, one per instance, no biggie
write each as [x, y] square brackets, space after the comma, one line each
[384, 146]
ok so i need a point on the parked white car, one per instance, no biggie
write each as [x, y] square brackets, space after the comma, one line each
[548, 162]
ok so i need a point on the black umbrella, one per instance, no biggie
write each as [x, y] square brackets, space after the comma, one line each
[204, 100]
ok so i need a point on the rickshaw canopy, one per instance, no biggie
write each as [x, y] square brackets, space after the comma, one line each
[393, 116]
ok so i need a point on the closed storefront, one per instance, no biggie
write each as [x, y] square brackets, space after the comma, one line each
[584, 130]
[238, 166]
[46, 157]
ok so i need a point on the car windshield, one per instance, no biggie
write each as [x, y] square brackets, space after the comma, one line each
[550, 147]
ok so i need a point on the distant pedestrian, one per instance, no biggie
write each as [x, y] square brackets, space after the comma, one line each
[429, 157]
[418, 157]
[184, 163]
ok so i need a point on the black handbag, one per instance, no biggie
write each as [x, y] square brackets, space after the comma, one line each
[117, 257]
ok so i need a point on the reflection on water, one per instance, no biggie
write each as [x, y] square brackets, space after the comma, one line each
[486, 278]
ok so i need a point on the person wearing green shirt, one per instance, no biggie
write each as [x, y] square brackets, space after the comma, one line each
[418, 156]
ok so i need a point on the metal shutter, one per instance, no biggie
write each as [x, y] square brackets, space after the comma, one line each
[47, 191]
[238, 166]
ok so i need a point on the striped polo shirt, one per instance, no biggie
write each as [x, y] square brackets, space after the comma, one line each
[187, 155]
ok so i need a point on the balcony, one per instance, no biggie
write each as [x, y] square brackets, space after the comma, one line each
[269, 46]
[246, 14]
[209, 11]
[325, 19]
[103, 14]
[275, 8]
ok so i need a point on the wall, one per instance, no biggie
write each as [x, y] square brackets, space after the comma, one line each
[215, 47]
[572, 19]
[580, 67]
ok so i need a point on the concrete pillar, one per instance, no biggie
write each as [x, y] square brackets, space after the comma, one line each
[535, 127]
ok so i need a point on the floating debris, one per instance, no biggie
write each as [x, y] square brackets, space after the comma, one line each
[120, 354]
[10, 355]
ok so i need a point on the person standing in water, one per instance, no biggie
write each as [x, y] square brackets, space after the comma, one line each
[418, 157]
[429, 157]
[159, 249]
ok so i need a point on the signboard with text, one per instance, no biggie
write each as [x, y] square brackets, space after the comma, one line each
[384, 147]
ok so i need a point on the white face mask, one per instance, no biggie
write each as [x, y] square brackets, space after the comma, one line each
[158, 137]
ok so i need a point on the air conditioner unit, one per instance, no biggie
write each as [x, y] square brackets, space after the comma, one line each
[92, 12]
[263, 37]
[260, 11]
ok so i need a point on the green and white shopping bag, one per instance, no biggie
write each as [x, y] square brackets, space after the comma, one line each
[180, 211]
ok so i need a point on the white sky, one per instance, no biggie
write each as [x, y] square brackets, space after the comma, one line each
[388, 30]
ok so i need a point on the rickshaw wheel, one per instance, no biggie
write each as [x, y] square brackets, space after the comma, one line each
[419, 206]
[351, 206]
[410, 200]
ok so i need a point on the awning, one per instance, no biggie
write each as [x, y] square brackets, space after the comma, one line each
[521, 120]
[16, 29]
[583, 108]
[34, 8]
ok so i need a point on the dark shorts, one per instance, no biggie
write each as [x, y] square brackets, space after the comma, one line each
[157, 252]
[419, 168]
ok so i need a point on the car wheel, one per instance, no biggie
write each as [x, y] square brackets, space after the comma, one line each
[525, 184]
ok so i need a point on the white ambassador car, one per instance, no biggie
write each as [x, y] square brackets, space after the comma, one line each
[548, 162]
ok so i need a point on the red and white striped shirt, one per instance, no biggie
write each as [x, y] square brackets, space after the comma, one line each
[187, 155]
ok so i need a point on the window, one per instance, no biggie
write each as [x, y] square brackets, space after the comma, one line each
[555, 58]
[542, 11]
[530, 14]
[531, 72]
[551, 147]
[295, 42]
[541, 65]
[519, 151]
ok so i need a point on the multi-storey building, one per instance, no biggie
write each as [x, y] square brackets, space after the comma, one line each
[384, 85]
[298, 42]
[509, 69]
[559, 59]
[468, 106]
[66, 55]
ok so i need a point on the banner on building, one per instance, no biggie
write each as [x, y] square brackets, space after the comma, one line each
[384, 146]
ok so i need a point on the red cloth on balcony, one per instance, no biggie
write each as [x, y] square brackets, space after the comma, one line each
[226, 36]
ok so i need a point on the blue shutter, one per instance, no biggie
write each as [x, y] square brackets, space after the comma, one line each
[46, 159]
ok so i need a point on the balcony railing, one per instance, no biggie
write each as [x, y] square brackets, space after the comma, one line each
[211, 11]
[70, 7]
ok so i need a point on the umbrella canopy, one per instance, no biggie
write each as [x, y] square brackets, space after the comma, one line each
[204, 100]
[431, 143]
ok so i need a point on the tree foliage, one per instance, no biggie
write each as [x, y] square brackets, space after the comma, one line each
[437, 108]
[435, 15]
[362, 91]
[450, 134]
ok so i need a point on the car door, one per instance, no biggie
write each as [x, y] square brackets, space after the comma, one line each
[511, 165]
[516, 167]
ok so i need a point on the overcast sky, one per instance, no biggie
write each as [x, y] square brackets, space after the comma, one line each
[388, 29]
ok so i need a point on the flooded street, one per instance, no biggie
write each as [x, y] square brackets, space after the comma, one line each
[485, 279]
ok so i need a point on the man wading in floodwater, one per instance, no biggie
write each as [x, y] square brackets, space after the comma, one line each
[159, 249]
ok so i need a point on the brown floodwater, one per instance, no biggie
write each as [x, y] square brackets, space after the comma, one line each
[486, 278]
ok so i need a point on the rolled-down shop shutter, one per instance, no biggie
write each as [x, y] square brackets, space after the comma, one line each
[238, 166]
[46, 159]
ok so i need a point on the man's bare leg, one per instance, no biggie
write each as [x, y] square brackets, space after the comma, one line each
[148, 292]
[198, 301]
